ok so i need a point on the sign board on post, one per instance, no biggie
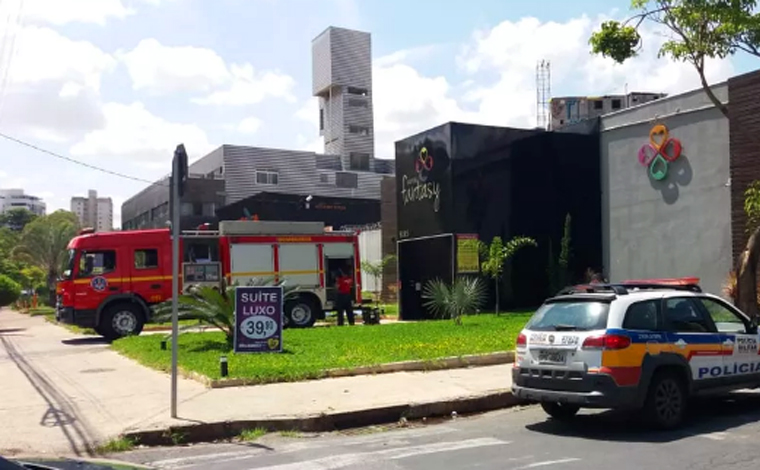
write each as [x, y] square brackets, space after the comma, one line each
[468, 260]
[258, 319]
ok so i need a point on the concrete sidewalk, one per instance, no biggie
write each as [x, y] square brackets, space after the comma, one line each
[62, 393]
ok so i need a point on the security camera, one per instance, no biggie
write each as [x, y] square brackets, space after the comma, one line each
[309, 198]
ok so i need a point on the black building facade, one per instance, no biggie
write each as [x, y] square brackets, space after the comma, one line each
[150, 207]
[337, 212]
[460, 180]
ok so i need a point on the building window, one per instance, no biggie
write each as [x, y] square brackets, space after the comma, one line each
[361, 130]
[598, 104]
[359, 161]
[186, 209]
[357, 102]
[146, 259]
[352, 90]
[321, 119]
[97, 263]
[324, 179]
[616, 104]
[209, 209]
[346, 180]
[267, 177]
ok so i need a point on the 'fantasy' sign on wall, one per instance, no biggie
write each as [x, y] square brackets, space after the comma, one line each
[659, 152]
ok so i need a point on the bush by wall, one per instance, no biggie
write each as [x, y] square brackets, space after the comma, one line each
[10, 291]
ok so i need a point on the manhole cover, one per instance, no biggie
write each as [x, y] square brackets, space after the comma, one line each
[95, 371]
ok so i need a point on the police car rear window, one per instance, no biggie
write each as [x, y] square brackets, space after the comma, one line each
[570, 316]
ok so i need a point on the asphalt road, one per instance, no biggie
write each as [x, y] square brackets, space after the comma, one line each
[720, 435]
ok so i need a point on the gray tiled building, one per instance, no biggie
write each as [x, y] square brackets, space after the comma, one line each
[342, 80]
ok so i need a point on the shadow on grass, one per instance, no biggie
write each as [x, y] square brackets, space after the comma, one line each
[208, 345]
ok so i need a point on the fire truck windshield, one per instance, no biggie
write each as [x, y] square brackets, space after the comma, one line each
[69, 271]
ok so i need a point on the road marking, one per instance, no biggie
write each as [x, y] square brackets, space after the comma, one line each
[548, 462]
[291, 447]
[345, 460]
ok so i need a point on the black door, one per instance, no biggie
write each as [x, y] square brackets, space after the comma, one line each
[420, 261]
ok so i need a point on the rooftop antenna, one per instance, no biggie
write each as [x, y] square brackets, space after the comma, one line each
[543, 93]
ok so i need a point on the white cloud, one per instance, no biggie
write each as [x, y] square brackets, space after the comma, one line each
[249, 125]
[134, 133]
[250, 87]
[406, 102]
[52, 90]
[60, 12]
[158, 68]
[500, 88]
[161, 69]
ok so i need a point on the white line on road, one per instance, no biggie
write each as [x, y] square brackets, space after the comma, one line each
[548, 462]
[345, 460]
[290, 447]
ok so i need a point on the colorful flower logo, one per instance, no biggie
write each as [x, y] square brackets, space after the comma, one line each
[424, 164]
[659, 152]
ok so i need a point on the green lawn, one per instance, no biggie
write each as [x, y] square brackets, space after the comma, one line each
[308, 352]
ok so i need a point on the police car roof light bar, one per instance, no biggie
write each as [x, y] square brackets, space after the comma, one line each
[684, 283]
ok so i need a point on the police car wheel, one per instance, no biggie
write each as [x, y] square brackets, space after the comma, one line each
[666, 400]
[560, 411]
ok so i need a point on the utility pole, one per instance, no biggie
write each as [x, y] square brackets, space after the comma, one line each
[178, 179]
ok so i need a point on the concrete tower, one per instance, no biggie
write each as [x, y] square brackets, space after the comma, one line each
[342, 79]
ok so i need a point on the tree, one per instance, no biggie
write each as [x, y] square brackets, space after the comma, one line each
[746, 276]
[17, 219]
[700, 29]
[495, 254]
[375, 270]
[558, 270]
[464, 296]
[44, 243]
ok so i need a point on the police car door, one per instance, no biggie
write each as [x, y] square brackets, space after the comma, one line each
[692, 335]
[740, 345]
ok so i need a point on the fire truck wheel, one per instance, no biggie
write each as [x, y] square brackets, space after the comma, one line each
[121, 320]
[300, 312]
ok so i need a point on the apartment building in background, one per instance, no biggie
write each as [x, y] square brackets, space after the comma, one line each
[342, 80]
[93, 211]
[16, 199]
[566, 110]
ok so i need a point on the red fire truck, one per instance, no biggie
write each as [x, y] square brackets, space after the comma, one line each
[113, 278]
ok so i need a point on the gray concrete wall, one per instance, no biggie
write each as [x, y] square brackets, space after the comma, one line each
[678, 226]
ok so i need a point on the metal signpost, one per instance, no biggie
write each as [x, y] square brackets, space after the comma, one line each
[258, 319]
[179, 176]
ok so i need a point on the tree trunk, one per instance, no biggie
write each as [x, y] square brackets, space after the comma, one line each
[51, 282]
[746, 277]
[497, 296]
[706, 87]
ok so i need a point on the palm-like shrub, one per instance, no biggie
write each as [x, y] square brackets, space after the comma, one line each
[213, 306]
[465, 296]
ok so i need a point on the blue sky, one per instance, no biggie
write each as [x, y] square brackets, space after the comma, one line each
[118, 83]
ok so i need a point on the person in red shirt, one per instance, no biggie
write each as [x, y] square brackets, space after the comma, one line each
[344, 284]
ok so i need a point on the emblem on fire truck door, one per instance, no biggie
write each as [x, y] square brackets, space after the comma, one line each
[99, 283]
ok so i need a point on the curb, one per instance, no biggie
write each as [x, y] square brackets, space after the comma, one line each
[207, 432]
[458, 362]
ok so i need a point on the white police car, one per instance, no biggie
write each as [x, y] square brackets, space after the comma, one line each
[636, 345]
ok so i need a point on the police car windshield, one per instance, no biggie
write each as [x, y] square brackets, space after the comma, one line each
[570, 316]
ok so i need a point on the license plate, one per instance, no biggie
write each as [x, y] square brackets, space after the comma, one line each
[553, 357]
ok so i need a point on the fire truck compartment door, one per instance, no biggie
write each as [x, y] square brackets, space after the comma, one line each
[299, 265]
[249, 261]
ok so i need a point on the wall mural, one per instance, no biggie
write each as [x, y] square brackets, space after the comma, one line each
[659, 152]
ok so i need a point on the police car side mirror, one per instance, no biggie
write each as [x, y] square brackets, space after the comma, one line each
[752, 329]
